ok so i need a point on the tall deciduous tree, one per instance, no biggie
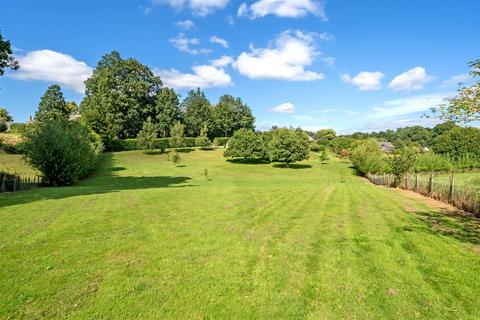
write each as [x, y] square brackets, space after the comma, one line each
[120, 95]
[288, 146]
[146, 136]
[231, 114]
[243, 144]
[176, 133]
[6, 56]
[52, 105]
[325, 136]
[167, 109]
[465, 106]
[197, 111]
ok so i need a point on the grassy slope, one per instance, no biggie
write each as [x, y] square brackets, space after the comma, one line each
[145, 239]
[13, 163]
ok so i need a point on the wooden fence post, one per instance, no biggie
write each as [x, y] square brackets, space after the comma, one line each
[417, 177]
[452, 185]
[430, 184]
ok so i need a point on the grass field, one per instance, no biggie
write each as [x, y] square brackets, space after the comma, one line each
[470, 180]
[13, 163]
[146, 240]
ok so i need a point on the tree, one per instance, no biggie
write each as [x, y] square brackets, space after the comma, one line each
[430, 161]
[72, 107]
[324, 157]
[344, 154]
[176, 134]
[465, 106]
[5, 115]
[401, 162]
[325, 136]
[288, 146]
[52, 105]
[119, 97]
[167, 110]
[7, 60]
[63, 151]
[367, 157]
[202, 140]
[243, 144]
[197, 111]
[146, 137]
[458, 142]
[231, 114]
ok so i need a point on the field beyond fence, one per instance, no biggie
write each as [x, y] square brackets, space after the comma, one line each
[460, 196]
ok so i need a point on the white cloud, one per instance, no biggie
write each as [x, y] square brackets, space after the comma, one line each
[283, 8]
[284, 108]
[222, 62]
[413, 79]
[455, 80]
[185, 25]
[203, 76]
[285, 59]
[407, 105]
[198, 7]
[52, 66]
[184, 44]
[365, 80]
[220, 41]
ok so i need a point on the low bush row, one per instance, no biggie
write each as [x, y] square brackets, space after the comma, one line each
[163, 143]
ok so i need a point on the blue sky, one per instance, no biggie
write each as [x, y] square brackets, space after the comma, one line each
[348, 65]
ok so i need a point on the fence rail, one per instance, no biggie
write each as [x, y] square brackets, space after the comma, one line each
[461, 197]
[12, 183]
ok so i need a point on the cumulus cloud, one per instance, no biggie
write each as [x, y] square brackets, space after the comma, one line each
[184, 44]
[365, 80]
[52, 66]
[407, 105]
[284, 108]
[220, 41]
[282, 8]
[455, 80]
[185, 25]
[285, 59]
[222, 62]
[203, 76]
[198, 7]
[413, 79]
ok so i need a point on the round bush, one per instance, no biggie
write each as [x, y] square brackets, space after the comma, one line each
[62, 151]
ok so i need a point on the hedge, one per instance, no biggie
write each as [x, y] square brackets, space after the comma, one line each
[221, 141]
[159, 143]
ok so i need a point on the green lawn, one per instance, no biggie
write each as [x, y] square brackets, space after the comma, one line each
[146, 240]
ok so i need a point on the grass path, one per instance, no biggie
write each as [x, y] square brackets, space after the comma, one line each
[144, 239]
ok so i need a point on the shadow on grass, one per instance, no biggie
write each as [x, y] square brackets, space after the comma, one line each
[103, 181]
[207, 149]
[292, 166]
[247, 161]
[455, 224]
[185, 150]
[155, 153]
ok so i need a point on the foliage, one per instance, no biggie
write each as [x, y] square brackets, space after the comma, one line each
[231, 114]
[176, 133]
[197, 111]
[72, 107]
[315, 147]
[146, 137]
[367, 157]
[457, 142]
[221, 141]
[202, 140]
[344, 154]
[401, 162]
[175, 158]
[324, 157]
[5, 115]
[465, 106]
[430, 161]
[243, 144]
[288, 146]
[3, 126]
[7, 59]
[343, 143]
[325, 136]
[167, 108]
[18, 128]
[62, 151]
[52, 105]
[120, 95]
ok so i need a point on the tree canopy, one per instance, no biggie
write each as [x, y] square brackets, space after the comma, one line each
[197, 111]
[7, 60]
[288, 146]
[231, 114]
[52, 105]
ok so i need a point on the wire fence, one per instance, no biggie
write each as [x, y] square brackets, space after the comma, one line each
[11, 182]
[462, 197]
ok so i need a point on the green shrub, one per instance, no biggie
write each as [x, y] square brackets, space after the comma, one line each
[367, 157]
[63, 151]
[288, 146]
[431, 161]
[189, 142]
[202, 142]
[315, 147]
[3, 126]
[11, 148]
[221, 141]
[19, 128]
